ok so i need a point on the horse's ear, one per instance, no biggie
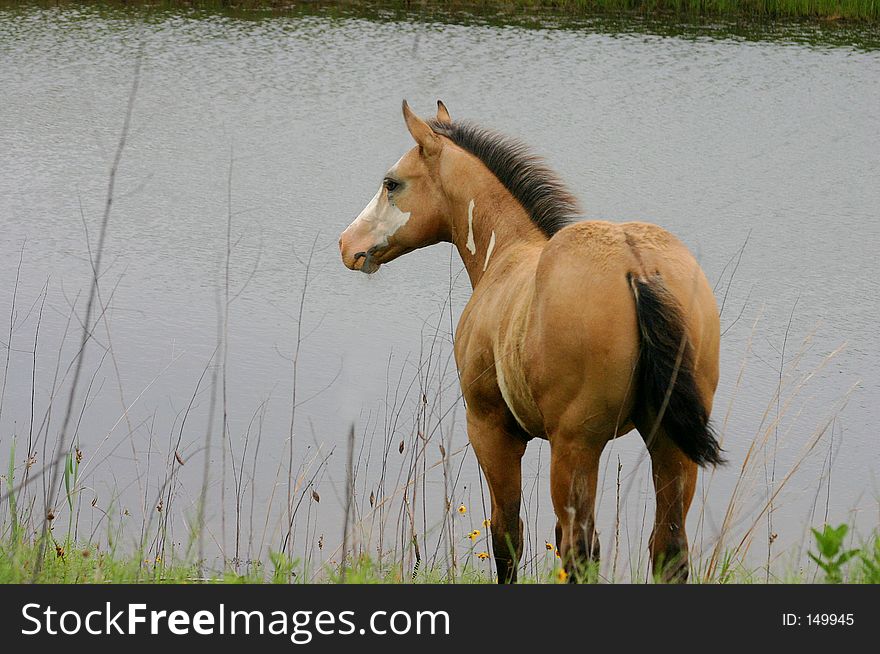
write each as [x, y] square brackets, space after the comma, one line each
[428, 141]
[443, 113]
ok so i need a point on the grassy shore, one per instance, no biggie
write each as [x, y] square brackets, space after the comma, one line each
[817, 10]
[824, 9]
[836, 561]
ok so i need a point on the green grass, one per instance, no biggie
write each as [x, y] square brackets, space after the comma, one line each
[825, 10]
[78, 564]
[850, 9]
[72, 563]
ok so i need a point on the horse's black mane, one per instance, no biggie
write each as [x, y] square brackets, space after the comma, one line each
[541, 193]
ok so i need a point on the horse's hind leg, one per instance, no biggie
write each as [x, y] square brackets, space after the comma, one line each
[499, 452]
[574, 471]
[675, 477]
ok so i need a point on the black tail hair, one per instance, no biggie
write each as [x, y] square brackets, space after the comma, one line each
[665, 384]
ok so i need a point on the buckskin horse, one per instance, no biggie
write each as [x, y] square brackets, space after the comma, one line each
[577, 332]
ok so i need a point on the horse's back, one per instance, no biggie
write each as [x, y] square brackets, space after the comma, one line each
[584, 336]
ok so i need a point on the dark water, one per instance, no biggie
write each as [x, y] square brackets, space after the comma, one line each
[768, 138]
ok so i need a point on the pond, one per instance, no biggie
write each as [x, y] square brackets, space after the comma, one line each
[255, 139]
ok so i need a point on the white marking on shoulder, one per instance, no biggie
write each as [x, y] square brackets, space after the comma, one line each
[471, 245]
[489, 250]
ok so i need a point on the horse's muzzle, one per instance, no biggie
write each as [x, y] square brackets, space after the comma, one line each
[361, 260]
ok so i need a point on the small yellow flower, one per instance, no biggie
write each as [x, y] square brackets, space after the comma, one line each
[483, 556]
[462, 509]
[487, 523]
[474, 534]
[548, 545]
[561, 575]
[557, 555]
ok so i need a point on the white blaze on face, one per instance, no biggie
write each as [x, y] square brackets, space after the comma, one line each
[381, 218]
[489, 250]
[471, 245]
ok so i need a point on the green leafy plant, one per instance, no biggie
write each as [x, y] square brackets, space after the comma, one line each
[831, 555]
[870, 569]
[283, 567]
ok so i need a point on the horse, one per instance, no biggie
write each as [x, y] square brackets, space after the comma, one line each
[577, 332]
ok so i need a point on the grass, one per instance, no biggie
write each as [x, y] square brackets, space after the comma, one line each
[71, 563]
[864, 10]
[823, 10]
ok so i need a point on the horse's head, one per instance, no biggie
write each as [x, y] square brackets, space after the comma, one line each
[409, 211]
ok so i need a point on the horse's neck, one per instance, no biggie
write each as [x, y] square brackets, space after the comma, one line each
[489, 229]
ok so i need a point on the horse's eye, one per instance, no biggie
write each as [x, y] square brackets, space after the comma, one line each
[390, 184]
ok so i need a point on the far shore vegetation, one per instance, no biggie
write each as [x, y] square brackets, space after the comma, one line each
[759, 10]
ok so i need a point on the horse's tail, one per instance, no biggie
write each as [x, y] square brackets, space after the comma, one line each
[666, 390]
